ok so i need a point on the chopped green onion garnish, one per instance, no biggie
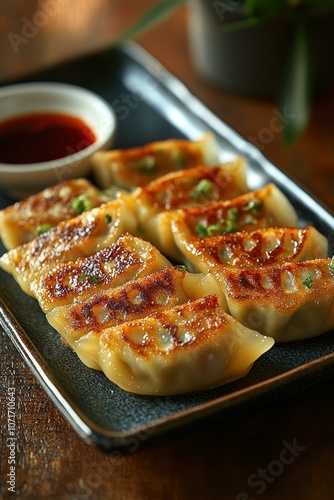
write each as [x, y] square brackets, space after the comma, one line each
[233, 213]
[181, 267]
[81, 204]
[203, 188]
[214, 228]
[254, 206]
[108, 218]
[223, 226]
[147, 163]
[89, 276]
[201, 230]
[111, 192]
[308, 281]
[331, 265]
[178, 157]
[43, 228]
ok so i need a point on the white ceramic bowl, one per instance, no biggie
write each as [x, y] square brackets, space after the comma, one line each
[27, 98]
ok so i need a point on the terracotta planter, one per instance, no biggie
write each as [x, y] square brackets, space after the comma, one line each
[251, 60]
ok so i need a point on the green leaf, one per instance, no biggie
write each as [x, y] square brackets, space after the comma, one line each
[295, 94]
[270, 8]
[152, 16]
[266, 8]
[247, 22]
[319, 4]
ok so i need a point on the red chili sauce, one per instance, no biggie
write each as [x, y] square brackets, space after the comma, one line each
[39, 137]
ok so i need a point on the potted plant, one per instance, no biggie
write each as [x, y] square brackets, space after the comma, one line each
[267, 48]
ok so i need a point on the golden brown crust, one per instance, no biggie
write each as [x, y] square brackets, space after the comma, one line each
[263, 247]
[128, 258]
[178, 189]
[127, 168]
[244, 217]
[254, 210]
[83, 235]
[159, 291]
[280, 285]
[189, 347]
[291, 301]
[203, 317]
[19, 222]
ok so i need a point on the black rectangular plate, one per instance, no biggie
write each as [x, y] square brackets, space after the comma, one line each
[151, 104]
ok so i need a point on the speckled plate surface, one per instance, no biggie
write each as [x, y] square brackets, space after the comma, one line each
[150, 104]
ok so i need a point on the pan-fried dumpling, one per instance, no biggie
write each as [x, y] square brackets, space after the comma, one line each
[254, 210]
[83, 235]
[158, 291]
[259, 248]
[26, 219]
[291, 301]
[194, 186]
[128, 168]
[126, 259]
[81, 324]
[189, 347]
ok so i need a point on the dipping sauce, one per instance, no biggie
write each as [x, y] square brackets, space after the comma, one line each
[40, 137]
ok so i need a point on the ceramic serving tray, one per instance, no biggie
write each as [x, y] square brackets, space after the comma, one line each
[150, 105]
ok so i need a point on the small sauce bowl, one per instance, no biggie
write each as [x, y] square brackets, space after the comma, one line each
[47, 98]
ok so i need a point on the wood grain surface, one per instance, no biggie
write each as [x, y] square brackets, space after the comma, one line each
[280, 448]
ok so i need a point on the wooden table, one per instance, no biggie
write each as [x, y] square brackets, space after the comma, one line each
[283, 449]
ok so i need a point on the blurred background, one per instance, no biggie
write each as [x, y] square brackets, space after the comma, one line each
[40, 33]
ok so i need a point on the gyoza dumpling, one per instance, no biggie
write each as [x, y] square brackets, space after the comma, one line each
[291, 301]
[189, 347]
[126, 259]
[128, 168]
[195, 186]
[159, 290]
[83, 235]
[263, 247]
[81, 324]
[254, 210]
[28, 218]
